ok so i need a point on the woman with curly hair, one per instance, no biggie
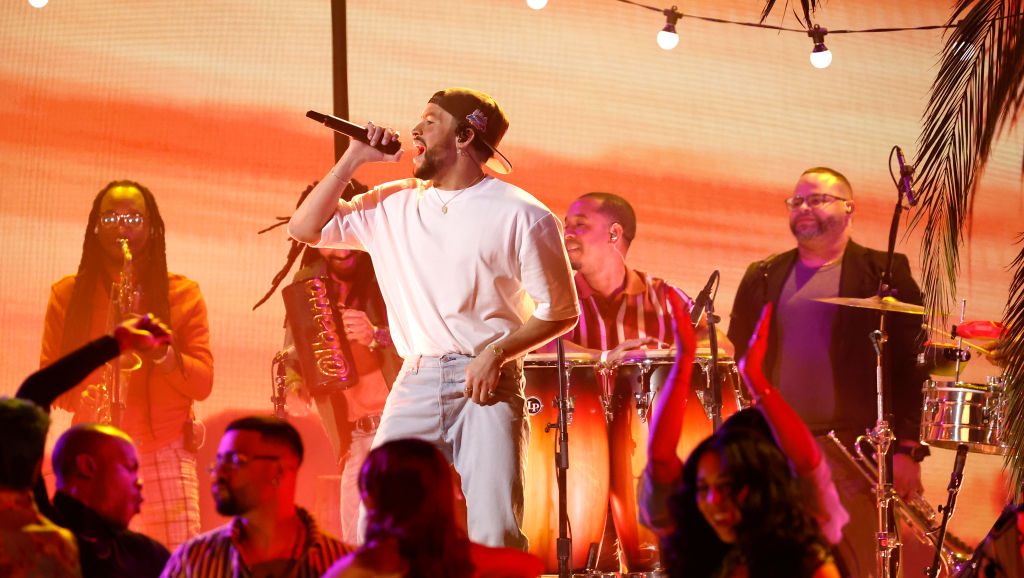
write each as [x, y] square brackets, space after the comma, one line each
[739, 513]
[413, 530]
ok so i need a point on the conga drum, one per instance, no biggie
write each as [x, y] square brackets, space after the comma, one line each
[587, 478]
[631, 389]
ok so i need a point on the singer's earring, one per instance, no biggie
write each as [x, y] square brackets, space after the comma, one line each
[614, 237]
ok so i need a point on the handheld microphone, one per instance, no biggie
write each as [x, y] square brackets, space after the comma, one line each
[701, 302]
[906, 177]
[354, 131]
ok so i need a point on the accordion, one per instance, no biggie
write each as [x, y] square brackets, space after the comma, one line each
[323, 351]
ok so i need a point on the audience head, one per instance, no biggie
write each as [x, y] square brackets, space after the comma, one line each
[23, 427]
[409, 493]
[257, 465]
[98, 466]
[737, 490]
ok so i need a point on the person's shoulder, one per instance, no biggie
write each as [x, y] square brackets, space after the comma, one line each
[380, 560]
[64, 285]
[179, 282]
[494, 562]
[210, 540]
[143, 544]
[515, 197]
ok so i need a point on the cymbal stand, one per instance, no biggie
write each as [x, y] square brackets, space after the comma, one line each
[564, 543]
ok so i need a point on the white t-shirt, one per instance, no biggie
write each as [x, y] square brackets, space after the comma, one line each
[455, 282]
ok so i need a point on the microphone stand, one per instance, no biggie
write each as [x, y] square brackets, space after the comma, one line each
[564, 543]
[881, 436]
[947, 511]
[715, 392]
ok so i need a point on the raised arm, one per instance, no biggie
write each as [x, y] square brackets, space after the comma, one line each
[663, 464]
[137, 334]
[318, 208]
[791, 432]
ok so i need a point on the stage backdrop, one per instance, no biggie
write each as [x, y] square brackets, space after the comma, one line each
[204, 103]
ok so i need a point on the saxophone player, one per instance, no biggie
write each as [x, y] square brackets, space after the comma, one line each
[159, 396]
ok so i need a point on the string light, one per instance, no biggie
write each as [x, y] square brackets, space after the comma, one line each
[667, 37]
[821, 56]
[536, 4]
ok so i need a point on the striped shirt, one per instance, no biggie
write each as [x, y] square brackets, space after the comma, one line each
[215, 554]
[640, 310]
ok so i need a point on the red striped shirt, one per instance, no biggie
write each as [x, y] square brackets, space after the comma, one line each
[215, 554]
[640, 310]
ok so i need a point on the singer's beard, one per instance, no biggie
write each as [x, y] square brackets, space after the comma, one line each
[804, 231]
[429, 167]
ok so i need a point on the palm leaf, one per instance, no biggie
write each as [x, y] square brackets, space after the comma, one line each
[1013, 349]
[808, 7]
[976, 95]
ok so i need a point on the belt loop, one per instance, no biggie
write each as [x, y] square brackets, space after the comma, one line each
[416, 364]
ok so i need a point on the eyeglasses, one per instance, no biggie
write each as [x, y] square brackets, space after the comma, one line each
[235, 461]
[812, 200]
[132, 220]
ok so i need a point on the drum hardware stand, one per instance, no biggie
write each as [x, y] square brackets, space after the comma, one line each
[278, 392]
[564, 543]
[947, 511]
[962, 355]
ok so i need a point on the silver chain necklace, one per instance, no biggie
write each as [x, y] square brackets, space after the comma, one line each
[444, 204]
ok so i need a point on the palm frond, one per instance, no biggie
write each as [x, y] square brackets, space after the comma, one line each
[1013, 373]
[975, 96]
[808, 7]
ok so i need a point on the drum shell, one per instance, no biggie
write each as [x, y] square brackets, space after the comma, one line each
[628, 441]
[964, 413]
[587, 477]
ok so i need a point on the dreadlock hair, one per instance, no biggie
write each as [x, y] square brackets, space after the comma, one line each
[310, 255]
[151, 272]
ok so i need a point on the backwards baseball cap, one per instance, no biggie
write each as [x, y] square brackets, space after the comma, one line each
[481, 113]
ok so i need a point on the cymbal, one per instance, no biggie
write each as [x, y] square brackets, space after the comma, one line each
[878, 304]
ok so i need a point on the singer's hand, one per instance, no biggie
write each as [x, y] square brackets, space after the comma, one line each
[366, 153]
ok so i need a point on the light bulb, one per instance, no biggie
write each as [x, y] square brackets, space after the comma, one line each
[38, 3]
[821, 56]
[667, 37]
[536, 4]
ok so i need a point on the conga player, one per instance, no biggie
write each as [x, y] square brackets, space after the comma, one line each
[621, 310]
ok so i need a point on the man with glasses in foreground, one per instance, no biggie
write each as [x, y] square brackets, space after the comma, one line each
[254, 480]
[820, 355]
[159, 386]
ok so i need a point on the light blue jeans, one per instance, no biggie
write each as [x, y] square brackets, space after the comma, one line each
[486, 444]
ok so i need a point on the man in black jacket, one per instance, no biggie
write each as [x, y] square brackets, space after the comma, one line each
[821, 355]
[98, 490]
